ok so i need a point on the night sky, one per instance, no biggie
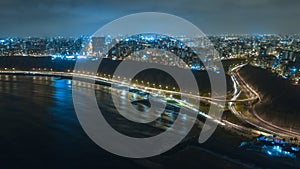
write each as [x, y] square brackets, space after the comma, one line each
[83, 17]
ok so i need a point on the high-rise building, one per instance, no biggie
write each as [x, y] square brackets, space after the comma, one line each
[98, 45]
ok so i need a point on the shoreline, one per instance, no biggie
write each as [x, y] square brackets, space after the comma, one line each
[216, 144]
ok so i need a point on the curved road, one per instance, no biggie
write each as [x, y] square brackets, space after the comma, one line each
[239, 85]
[255, 119]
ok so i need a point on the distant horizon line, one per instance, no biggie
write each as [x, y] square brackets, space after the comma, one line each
[208, 35]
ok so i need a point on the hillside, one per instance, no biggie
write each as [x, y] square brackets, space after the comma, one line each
[108, 67]
[280, 99]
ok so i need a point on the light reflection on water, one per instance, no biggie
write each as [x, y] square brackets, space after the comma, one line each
[120, 123]
[39, 128]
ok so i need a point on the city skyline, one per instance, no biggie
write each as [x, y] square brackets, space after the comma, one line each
[74, 18]
[150, 84]
[279, 53]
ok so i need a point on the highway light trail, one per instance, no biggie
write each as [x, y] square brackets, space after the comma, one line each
[256, 120]
[239, 86]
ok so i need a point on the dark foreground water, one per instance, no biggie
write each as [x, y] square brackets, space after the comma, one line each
[39, 129]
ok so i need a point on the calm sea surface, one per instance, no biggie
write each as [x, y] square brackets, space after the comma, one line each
[39, 129]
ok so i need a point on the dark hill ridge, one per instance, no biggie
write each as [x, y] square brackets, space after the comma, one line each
[27, 63]
[280, 99]
[107, 67]
[160, 77]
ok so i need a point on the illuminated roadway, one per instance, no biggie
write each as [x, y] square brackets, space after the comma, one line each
[239, 86]
[255, 119]
[149, 90]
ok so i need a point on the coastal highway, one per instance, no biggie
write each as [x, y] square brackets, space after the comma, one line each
[254, 119]
[239, 85]
[153, 91]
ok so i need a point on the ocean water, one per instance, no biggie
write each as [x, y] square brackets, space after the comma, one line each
[39, 129]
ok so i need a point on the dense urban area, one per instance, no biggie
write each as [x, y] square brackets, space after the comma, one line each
[276, 53]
